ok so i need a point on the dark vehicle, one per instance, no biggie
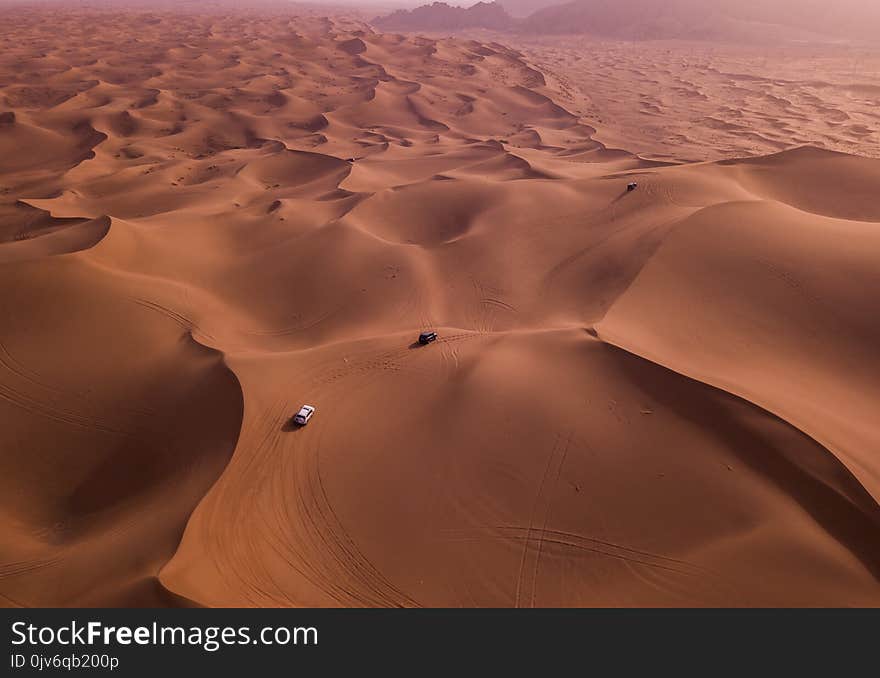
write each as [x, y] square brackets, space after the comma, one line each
[631, 187]
[427, 337]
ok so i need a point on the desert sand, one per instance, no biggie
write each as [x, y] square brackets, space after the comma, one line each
[664, 397]
[693, 101]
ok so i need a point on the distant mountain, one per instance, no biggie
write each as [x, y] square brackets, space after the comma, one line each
[442, 17]
[759, 21]
[846, 19]
[523, 8]
[617, 18]
[739, 20]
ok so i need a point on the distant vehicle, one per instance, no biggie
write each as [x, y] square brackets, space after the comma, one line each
[632, 186]
[427, 337]
[305, 413]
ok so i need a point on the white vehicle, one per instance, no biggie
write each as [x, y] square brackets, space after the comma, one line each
[305, 413]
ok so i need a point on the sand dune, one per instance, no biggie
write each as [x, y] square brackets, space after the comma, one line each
[695, 101]
[662, 397]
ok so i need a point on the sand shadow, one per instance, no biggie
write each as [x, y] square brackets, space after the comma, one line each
[844, 509]
[290, 425]
[621, 196]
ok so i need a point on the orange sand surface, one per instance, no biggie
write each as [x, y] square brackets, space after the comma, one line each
[660, 397]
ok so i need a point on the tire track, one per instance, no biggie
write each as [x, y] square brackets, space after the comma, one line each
[19, 370]
[317, 545]
[34, 406]
[183, 320]
[536, 510]
[13, 365]
[590, 544]
[543, 531]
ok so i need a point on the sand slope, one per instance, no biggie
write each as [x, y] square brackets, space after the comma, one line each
[662, 397]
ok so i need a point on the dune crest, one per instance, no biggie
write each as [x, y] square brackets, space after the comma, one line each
[637, 397]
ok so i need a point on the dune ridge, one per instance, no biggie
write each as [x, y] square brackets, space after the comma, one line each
[661, 397]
